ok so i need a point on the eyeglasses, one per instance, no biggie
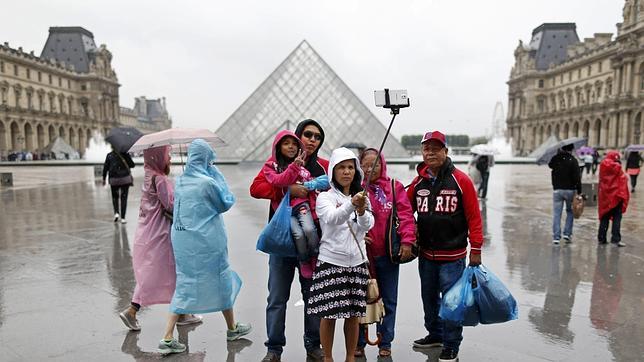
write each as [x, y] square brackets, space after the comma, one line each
[312, 135]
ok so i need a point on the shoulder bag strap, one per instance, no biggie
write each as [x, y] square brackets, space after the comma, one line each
[123, 160]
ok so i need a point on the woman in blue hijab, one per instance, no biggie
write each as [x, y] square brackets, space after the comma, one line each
[205, 281]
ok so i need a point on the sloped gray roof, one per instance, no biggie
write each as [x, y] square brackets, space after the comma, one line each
[550, 41]
[154, 108]
[72, 45]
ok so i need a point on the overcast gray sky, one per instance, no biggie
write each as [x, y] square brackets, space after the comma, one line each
[207, 57]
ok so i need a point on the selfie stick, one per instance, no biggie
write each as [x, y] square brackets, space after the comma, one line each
[375, 163]
[394, 111]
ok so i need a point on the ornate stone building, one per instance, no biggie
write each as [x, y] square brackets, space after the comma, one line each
[70, 91]
[148, 115]
[565, 87]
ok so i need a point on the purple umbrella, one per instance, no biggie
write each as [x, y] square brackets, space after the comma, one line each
[585, 149]
[635, 148]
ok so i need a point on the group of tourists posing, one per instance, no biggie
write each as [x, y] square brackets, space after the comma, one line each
[337, 228]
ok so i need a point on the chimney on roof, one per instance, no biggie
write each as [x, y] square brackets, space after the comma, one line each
[163, 104]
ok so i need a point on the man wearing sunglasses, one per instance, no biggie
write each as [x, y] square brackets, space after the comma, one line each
[282, 270]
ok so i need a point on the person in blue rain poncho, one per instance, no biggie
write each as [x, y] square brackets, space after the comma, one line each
[205, 281]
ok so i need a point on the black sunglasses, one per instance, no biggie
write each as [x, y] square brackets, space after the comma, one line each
[312, 135]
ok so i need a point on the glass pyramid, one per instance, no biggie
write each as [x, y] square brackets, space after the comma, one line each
[303, 86]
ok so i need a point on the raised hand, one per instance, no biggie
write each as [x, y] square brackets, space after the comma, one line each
[301, 157]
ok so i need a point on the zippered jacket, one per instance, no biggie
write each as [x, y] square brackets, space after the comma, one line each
[447, 211]
[337, 214]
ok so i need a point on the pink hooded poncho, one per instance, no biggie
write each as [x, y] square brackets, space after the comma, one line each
[153, 260]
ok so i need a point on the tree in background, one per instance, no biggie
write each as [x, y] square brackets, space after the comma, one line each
[412, 142]
[457, 140]
[479, 140]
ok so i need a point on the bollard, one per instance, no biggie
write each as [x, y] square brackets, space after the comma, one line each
[6, 179]
[98, 171]
[590, 190]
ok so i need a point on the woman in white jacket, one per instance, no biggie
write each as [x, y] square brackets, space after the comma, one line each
[339, 289]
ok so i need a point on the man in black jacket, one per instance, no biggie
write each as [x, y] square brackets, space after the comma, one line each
[566, 180]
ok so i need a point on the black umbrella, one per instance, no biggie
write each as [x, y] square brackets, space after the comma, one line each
[551, 151]
[122, 138]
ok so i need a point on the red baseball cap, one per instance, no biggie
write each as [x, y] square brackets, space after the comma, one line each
[434, 135]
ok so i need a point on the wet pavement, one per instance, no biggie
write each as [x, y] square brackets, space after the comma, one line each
[65, 273]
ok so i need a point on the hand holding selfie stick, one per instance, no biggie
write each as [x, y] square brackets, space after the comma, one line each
[394, 100]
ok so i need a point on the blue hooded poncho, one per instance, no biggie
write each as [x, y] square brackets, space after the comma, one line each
[205, 281]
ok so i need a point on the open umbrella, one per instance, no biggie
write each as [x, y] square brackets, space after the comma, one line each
[549, 153]
[176, 137]
[483, 149]
[585, 149]
[122, 138]
[635, 148]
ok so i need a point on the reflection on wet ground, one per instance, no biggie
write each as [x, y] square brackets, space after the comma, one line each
[65, 271]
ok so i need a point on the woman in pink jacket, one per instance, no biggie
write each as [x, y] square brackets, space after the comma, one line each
[153, 260]
[381, 199]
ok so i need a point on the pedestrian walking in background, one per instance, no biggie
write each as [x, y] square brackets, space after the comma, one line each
[282, 270]
[339, 288]
[613, 198]
[633, 164]
[588, 162]
[152, 259]
[595, 162]
[205, 281]
[566, 181]
[117, 165]
[483, 164]
[381, 198]
[448, 216]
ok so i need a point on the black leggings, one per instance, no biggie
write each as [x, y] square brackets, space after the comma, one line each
[633, 181]
[115, 199]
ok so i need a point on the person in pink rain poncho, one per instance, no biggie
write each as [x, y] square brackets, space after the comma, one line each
[153, 259]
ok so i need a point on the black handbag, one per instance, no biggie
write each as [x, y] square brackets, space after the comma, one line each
[392, 236]
[123, 180]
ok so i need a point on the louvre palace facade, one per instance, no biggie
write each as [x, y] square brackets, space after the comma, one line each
[69, 91]
[565, 87]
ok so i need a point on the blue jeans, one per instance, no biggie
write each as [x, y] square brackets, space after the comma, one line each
[305, 233]
[435, 279]
[387, 276]
[616, 236]
[280, 278]
[560, 196]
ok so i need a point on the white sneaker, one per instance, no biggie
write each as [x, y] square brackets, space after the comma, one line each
[116, 217]
[123, 221]
[555, 242]
[189, 319]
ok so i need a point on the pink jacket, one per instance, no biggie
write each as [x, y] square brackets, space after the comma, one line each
[381, 198]
[293, 174]
[153, 259]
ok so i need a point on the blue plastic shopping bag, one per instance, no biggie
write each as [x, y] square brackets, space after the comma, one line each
[276, 238]
[458, 303]
[495, 302]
